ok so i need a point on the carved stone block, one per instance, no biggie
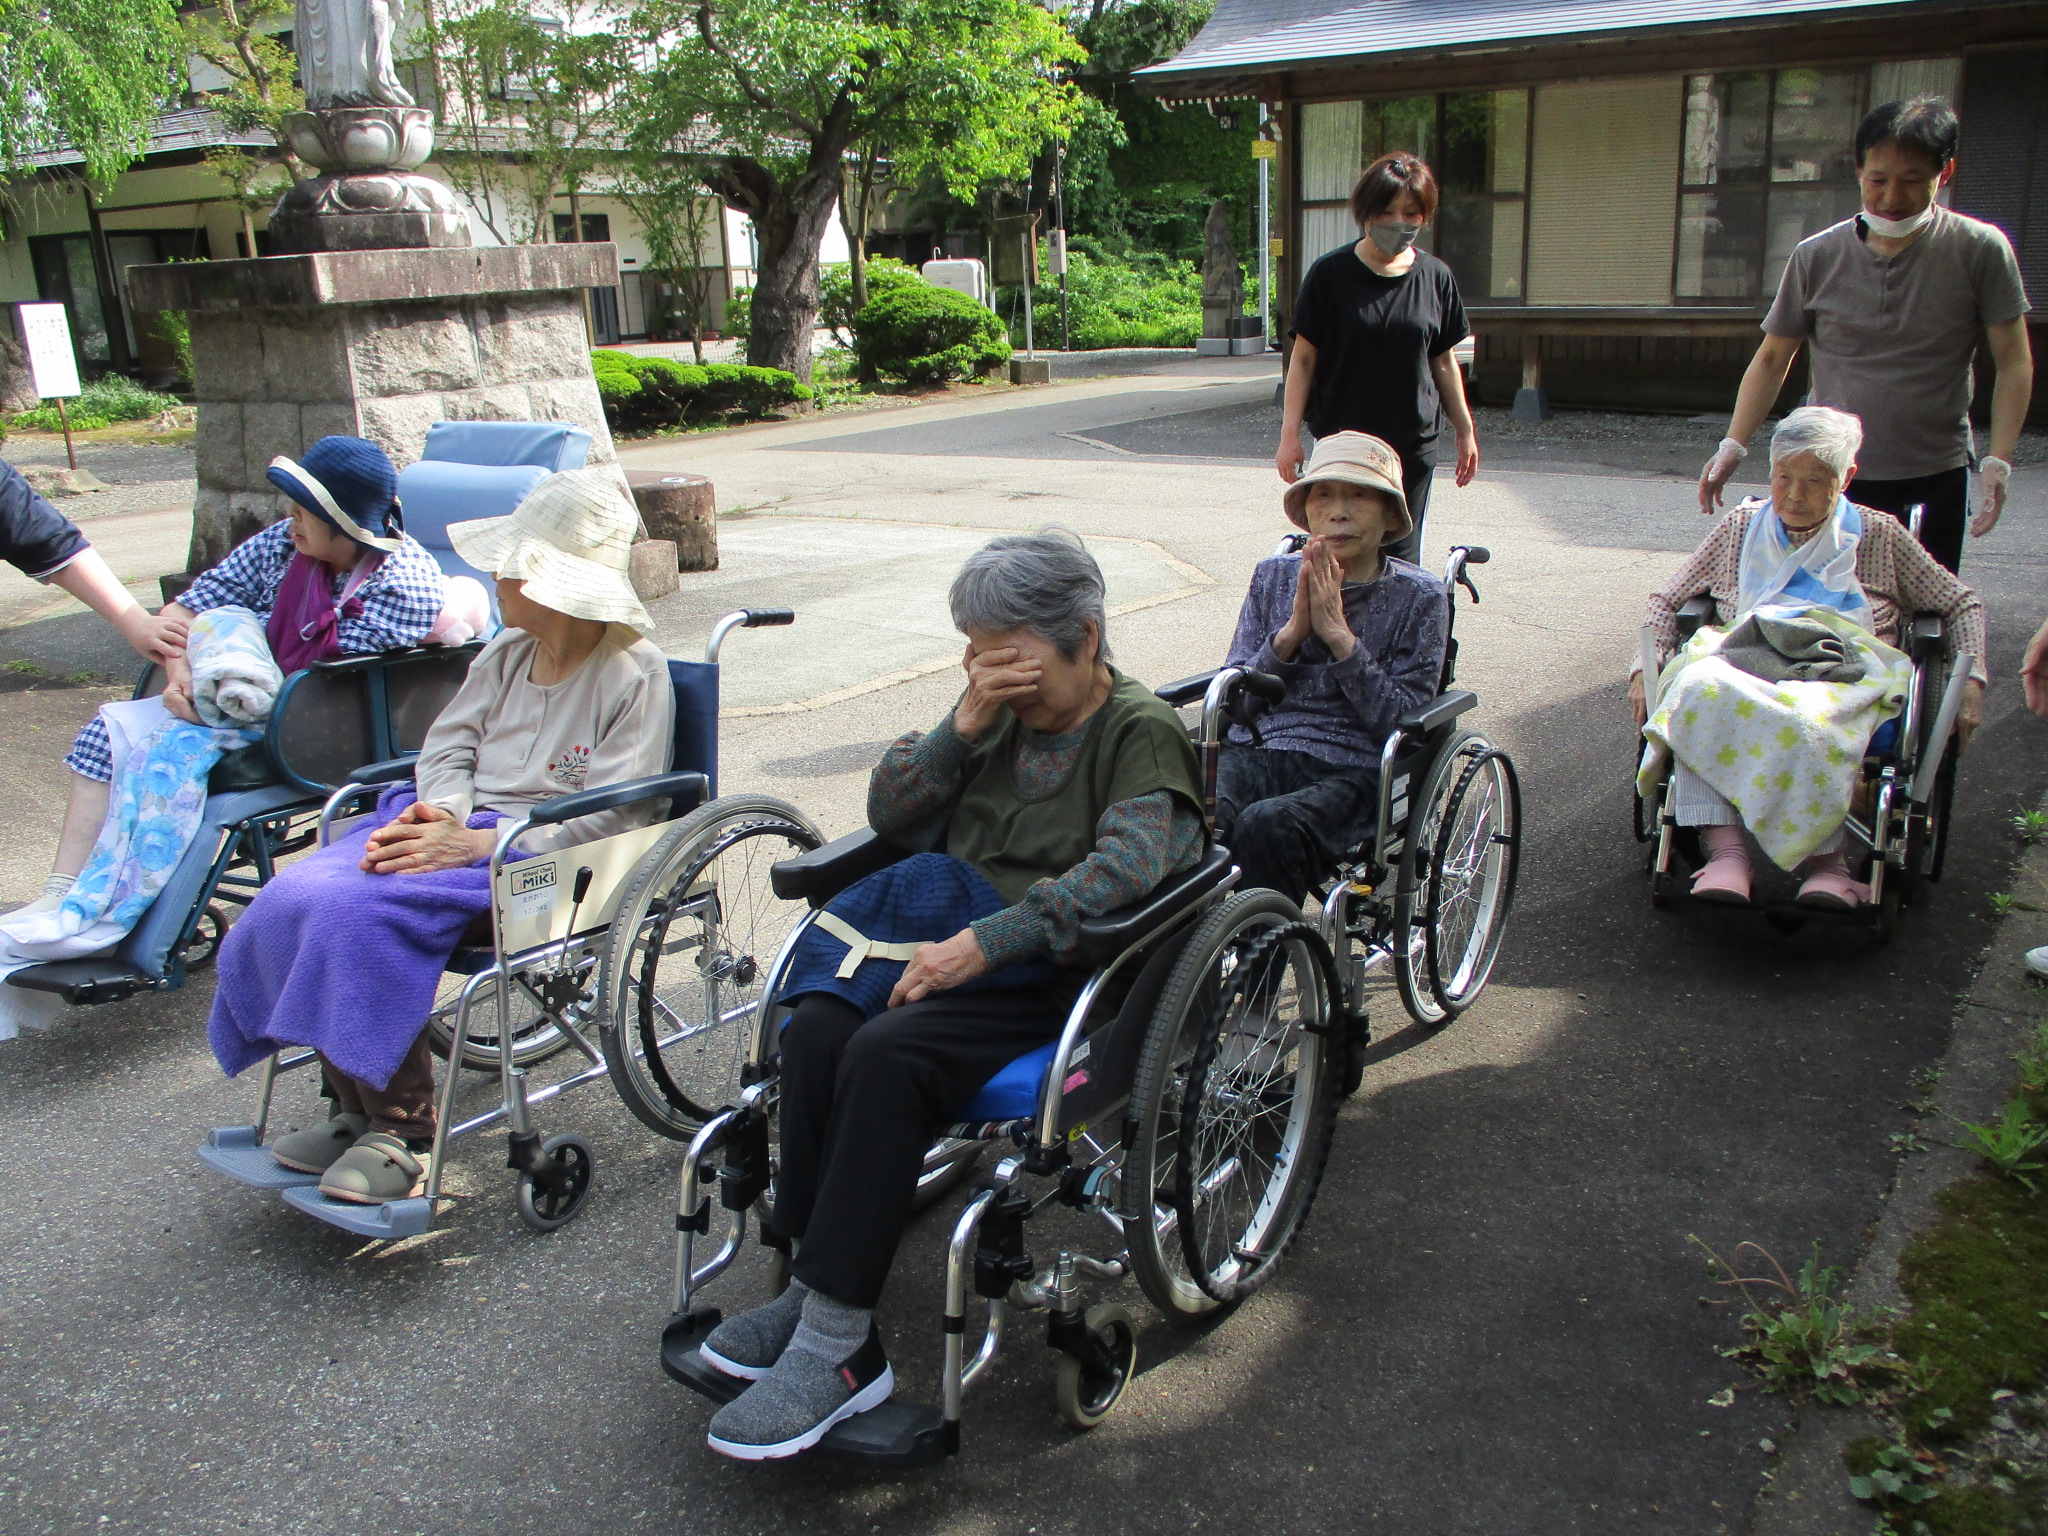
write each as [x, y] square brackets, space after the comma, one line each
[654, 569]
[681, 509]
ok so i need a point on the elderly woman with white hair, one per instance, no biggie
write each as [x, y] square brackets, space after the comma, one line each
[1054, 790]
[1765, 716]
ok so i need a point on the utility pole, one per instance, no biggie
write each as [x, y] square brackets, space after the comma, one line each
[1059, 237]
[1265, 239]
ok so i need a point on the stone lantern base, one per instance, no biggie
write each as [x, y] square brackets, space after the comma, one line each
[378, 344]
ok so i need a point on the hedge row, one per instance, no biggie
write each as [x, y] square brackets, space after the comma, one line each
[641, 393]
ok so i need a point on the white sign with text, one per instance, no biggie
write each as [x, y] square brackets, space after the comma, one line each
[46, 329]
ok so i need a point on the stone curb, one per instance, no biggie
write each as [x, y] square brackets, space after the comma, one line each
[1809, 1496]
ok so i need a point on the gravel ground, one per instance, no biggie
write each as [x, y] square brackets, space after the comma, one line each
[140, 477]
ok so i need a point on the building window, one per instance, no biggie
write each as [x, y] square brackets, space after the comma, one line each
[1477, 142]
[1768, 160]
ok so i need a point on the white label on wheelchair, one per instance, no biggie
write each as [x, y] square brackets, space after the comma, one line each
[536, 897]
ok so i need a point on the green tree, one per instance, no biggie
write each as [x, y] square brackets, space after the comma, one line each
[93, 74]
[967, 89]
[528, 106]
[679, 222]
[233, 37]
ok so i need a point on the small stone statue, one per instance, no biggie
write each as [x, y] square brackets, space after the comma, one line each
[1222, 279]
[344, 49]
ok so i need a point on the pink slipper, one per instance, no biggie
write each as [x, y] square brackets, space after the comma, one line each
[1724, 879]
[1833, 888]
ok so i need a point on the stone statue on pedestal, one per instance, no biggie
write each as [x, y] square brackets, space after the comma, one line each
[344, 49]
[363, 129]
[1222, 279]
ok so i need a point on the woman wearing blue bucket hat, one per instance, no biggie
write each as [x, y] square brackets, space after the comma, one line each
[337, 577]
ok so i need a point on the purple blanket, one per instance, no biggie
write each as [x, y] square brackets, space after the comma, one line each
[341, 960]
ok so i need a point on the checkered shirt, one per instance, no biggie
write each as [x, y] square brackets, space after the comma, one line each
[401, 600]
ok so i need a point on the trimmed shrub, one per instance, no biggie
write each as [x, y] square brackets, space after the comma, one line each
[927, 335]
[647, 392]
[835, 294]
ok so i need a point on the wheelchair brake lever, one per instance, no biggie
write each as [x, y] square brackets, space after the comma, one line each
[1465, 581]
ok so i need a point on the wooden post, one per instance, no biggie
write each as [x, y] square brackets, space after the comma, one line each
[64, 421]
[1531, 403]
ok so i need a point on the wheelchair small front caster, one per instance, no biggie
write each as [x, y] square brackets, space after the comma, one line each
[552, 1194]
[1095, 1368]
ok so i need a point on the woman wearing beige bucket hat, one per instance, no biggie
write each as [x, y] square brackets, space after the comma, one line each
[1357, 635]
[342, 951]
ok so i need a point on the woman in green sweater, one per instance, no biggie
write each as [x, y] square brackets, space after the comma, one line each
[1055, 790]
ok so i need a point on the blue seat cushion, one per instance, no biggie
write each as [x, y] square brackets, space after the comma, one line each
[434, 494]
[1012, 1094]
[551, 445]
[1884, 741]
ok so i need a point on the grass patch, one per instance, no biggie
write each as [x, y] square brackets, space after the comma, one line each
[1978, 1284]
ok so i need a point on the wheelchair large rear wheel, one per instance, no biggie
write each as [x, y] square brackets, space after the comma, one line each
[1472, 879]
[696, 933]
[1235, 1098]
[1415, 880]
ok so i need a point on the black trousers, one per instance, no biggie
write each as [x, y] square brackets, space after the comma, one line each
[1416, 475]
[1288, 817]
[861, 1102]
[1946, 497]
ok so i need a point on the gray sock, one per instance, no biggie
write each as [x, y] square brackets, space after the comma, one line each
[58, 886]
[758, 1338]
[830, 1329]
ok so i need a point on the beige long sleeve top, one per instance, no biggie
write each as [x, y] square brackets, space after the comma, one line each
[504, 743]
[1897, 575]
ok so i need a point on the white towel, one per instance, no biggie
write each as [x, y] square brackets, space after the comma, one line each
[234, 677]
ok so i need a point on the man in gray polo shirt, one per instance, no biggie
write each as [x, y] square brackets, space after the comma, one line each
[1893, 302]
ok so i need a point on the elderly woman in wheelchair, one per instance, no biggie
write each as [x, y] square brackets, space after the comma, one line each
[1055, 790]
[1358, 638]
[343, 951]
[1826, 624]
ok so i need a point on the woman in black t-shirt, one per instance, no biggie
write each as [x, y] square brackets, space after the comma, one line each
[1373, 332]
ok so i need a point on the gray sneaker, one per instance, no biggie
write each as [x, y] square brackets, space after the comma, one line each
[796, 1404]
[315, 1149]
[377, 1168]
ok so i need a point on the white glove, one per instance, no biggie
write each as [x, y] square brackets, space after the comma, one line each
[1994, 476]
[1719, 471]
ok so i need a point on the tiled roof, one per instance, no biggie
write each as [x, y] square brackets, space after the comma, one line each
[186, 128]
[1251, 35]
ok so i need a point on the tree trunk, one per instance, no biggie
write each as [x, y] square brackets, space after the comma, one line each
[17, 384]
[791, 228]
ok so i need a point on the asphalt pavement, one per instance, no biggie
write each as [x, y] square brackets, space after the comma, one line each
[1494, 1323]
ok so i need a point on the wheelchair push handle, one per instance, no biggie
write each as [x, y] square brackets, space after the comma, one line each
[744, 618]
[1264, 684]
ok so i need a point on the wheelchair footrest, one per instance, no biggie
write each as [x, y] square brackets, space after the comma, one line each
[232, 1150]
[83, 983]
[391, 1220]
[897, 1435]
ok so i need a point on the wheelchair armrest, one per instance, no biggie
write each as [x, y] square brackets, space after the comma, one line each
[1692, 613]
[391, 771]
[1104, 938]
[1926, 635]
[824, 872]
[380, 658]
[688, 790]
[1187, 690]
[1438, 712]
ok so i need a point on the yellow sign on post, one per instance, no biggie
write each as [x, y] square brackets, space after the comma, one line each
[1265, 149]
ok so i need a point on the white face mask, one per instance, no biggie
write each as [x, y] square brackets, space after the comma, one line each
[1897, 229]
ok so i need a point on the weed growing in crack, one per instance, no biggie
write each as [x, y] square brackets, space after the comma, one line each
[1800, 1333]
[2008, 1146]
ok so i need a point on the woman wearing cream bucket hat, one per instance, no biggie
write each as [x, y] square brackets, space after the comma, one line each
[567, 697]
[570, 542]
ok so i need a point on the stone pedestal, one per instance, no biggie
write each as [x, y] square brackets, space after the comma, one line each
[378, 344]
[654, 569]
[1030, 370]
[682, 509]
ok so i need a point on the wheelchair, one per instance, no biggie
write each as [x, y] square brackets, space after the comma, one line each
[1899, 817]
[1428, 893]
[1189, 1102]
[264, 801]
[571, 957]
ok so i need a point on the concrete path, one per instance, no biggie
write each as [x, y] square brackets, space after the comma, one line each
[1493, 1326]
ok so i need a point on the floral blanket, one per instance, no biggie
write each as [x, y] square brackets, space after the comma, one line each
[1784, 754]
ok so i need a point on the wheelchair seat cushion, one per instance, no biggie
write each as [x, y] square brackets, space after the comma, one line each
[1884, 741]
[1012, 1094]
